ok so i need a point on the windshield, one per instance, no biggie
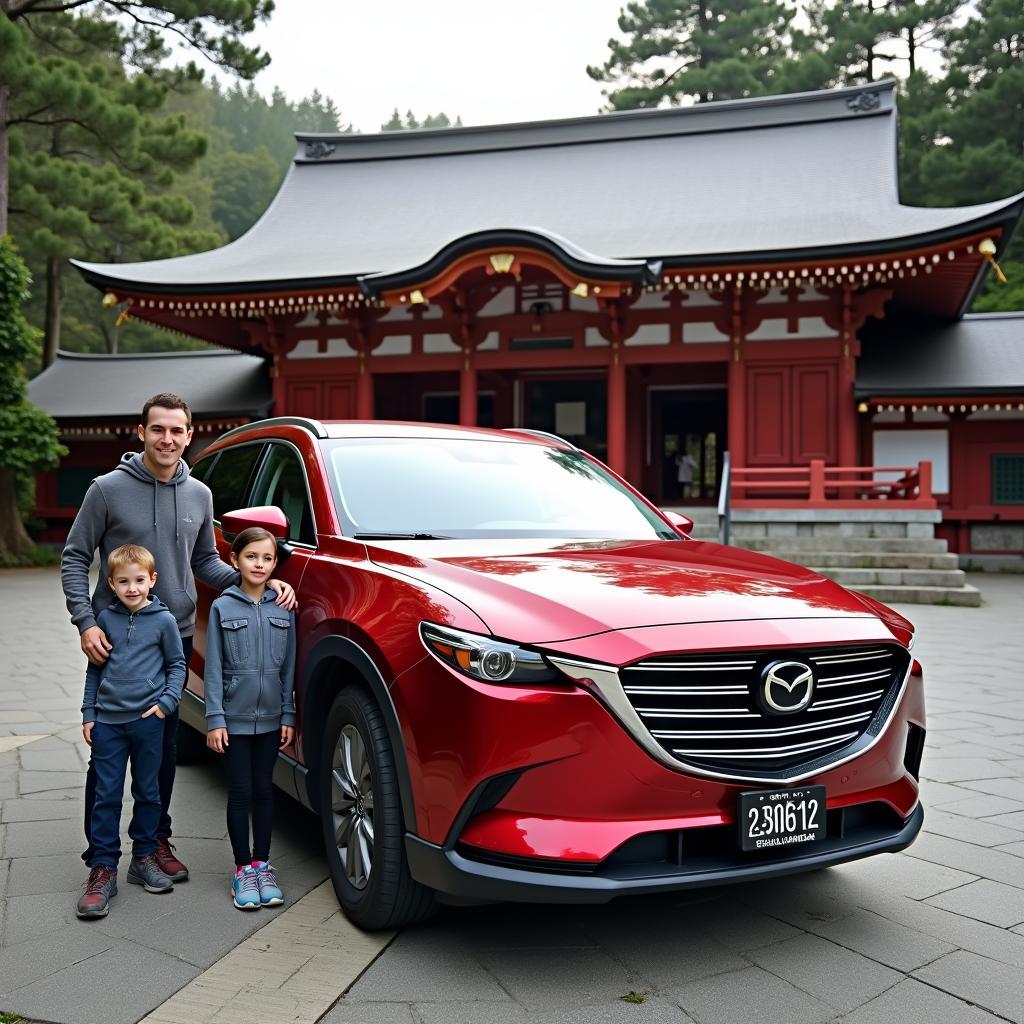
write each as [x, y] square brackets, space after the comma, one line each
[442, 487]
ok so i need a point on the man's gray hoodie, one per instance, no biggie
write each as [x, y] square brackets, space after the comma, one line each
[174, 520]
[146, 665]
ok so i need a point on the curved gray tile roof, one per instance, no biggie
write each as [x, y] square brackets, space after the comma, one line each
[981, 354]
[770, 176]
[215, 383]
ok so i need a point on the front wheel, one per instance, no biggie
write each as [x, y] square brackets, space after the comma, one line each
[361, 813]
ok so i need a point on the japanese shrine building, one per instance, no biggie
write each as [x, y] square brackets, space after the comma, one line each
[698, 279]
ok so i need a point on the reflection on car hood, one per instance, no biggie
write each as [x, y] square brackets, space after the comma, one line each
[541, 591]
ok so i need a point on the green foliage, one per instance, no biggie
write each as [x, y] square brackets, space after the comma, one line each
[439, 120]
[36, 556]
[680, 50]
[28, 437]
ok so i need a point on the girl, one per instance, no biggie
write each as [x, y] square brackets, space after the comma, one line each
[250, 713]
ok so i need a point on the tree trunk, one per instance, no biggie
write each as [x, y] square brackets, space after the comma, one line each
[14, 540]
[911, 49]
[5, 98]
[51, 333]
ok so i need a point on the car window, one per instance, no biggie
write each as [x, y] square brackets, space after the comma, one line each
[202, 467]
[282, 482]
[229, 478]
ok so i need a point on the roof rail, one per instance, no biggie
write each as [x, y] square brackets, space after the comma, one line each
[315, 427]
[545, 434]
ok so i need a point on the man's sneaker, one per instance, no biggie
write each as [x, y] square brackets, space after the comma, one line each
[169, 864]
[270, 888]
[145, 871]
[100, 889]
[245, 890]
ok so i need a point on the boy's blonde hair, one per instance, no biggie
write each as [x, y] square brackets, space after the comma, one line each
[130, 554]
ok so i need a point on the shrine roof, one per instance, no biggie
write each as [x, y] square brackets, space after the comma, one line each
[801, 176]
[981, 354]
[215, 383]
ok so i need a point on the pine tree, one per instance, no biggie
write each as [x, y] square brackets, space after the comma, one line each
[681, 50]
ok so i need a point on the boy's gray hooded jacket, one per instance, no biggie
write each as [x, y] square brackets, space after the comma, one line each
[250, 664]
[174, 520]
[146, 665]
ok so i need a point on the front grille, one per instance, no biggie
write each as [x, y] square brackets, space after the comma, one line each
[703, 710]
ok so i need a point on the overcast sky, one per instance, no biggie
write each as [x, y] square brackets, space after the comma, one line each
[484, 60]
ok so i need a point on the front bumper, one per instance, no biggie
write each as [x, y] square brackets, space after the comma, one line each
[464, 877]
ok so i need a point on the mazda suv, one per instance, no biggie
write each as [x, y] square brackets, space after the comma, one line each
[518, 679]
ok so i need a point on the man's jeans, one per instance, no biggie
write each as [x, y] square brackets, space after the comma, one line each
[168, 766]
[112, 748]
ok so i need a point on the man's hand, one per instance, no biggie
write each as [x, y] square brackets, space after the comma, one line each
[87, 731]
[95, 645]
[287, 735]
[217, 740]
[155, 710]
[285, 594]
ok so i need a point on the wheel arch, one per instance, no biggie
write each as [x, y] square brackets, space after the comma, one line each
[336, 662]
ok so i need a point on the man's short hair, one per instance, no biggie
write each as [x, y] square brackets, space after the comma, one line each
[166, 401]
[130, 554]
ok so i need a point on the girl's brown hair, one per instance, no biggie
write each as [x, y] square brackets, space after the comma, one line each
[250, 536]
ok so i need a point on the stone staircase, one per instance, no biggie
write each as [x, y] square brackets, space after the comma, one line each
[892, 555]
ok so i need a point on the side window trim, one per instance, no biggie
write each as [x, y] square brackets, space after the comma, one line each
[257, 479]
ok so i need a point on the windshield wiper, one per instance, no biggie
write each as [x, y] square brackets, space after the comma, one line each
[400, 536]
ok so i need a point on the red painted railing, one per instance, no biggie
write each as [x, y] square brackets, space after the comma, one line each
[820, 486]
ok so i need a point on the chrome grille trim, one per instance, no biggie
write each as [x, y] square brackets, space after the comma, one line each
[685, 691]
[677, 734]
[844, 702]
[605, 682]
[857, 678]
[762, 753]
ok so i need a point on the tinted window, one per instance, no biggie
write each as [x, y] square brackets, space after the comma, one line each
[201, 470]
[482, 488]
[229, 477]
[282, 483]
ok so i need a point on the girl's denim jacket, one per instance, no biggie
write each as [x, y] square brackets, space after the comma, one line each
[250, 664]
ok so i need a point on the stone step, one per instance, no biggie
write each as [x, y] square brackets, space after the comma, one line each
[917, 546]
[868, 559]
[857, 579]
[966, 596]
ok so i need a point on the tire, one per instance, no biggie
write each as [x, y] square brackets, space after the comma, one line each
[364, 839]
[191, 745]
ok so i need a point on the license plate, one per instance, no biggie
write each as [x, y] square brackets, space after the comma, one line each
[781, 819]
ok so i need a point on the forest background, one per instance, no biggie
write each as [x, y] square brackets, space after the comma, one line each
[117, 145]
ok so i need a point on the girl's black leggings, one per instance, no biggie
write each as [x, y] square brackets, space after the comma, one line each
[249, 764]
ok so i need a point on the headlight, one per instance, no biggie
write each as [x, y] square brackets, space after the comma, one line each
[486, 659]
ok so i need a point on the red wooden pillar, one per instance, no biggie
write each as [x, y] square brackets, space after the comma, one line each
[617, 410]
[846, 450]
[278, 390]
[364, 389]
[467, 389]
[736, 395]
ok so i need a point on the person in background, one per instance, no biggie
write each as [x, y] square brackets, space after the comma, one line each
[686, 466]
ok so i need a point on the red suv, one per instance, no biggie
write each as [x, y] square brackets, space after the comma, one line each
[519, 680]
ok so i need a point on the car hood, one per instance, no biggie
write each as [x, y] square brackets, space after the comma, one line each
[542, 592]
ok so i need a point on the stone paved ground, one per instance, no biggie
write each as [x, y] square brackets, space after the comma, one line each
[936, 933]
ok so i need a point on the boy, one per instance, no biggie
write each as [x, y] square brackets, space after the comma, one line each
[126, 701]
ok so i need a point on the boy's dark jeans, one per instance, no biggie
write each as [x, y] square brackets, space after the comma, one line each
[113, 746]
[168, 766]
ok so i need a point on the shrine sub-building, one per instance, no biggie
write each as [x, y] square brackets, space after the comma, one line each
[735, 276]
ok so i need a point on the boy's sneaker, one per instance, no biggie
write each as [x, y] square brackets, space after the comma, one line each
[100, 889]
[169, 864]
[245, 890]
[145, 871]
[266, 879]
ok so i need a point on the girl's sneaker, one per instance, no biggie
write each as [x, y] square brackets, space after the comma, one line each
[245, 891]
[266, 879]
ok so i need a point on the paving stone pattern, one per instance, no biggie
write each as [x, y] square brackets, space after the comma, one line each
[54, 967]
[936, 933]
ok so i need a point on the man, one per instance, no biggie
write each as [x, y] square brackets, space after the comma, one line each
[151, 500]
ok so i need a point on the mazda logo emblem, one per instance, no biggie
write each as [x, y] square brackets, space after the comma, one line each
[786, 687]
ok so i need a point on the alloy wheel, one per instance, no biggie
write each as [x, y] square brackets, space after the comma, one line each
[352, 806]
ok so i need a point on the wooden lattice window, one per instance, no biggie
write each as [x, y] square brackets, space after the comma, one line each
[1008, 479]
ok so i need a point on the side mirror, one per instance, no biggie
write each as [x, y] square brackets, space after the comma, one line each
[269, 517]
[683, 524]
